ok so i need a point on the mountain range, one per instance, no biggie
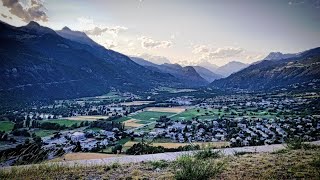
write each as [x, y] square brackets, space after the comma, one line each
[196, 75]
[276, 72]
[225, 70]
[39, 63]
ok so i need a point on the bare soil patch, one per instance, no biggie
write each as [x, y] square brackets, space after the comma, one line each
[83, 156]
[167, 109]
[86, 118]
[132, 123]
[136, 103]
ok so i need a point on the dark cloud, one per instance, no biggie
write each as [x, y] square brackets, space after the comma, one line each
[34, 12]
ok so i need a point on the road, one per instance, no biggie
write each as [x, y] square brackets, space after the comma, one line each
[162, 156]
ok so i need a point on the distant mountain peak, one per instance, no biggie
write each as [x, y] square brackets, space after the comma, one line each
[279, 56]
[33, 24]
[66, 29]
[77, 36]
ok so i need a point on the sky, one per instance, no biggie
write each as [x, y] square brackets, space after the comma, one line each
[188, 32]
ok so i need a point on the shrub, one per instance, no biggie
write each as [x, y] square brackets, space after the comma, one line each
[316, 162]
[280, 151]
[207, 153]
[294, 143]
[297, 143]
[240, 153]
[159, 164]
[190, 168]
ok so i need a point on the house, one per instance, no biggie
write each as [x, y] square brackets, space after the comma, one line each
[77, 136]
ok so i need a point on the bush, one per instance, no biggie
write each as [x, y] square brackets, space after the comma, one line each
[240, 153]
[297, 143]
[280, 151]
[207, 153]
[294, 143]
[316, 162]
[159, 164]
[190, 168]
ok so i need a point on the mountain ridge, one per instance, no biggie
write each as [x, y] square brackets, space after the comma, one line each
[275, 74]
[48, 66]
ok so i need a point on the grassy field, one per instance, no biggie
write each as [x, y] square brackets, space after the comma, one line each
[149, 116]
[6, 126]
[216, 113]
[44, 133]
[65, 122]
[288, 164]
[93, 129]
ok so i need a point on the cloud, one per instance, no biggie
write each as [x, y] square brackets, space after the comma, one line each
[313, 3]
[225, 52]
[149, 43]
[198, 49]
[206, 52]
[91, 28]
[155, 59]
[33, 11]
[96, 31]
[5, 16]
[110, 44]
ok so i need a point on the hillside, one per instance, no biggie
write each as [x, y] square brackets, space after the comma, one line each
[39, 64]
[187, 75]
[267, 74]
[231, 67]
[282, 164]
[207, 74]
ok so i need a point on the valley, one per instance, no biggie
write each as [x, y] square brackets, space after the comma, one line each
[123, 123]
[146, 89]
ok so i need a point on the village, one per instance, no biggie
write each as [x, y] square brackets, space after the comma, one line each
[113, 126]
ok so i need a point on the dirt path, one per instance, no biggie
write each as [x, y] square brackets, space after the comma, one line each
[164, 156]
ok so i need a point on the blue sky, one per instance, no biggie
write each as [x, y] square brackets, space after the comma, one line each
[183, 31]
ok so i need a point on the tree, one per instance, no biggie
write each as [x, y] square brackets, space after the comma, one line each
[117, 148]
[37, 140]
[77, 148]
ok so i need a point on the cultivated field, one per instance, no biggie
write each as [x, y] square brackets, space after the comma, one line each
[44, 133]
[136, 103]
[6, 126]
[149, 116]
[210, 113]
[132, 123]
[86, 118]
[62, 122]
[178, 109]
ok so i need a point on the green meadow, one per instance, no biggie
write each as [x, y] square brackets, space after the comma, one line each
[6, 126]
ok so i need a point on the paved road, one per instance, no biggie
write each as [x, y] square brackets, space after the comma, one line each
[165, 156]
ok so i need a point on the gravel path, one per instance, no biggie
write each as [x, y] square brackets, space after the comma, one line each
[163, 156]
